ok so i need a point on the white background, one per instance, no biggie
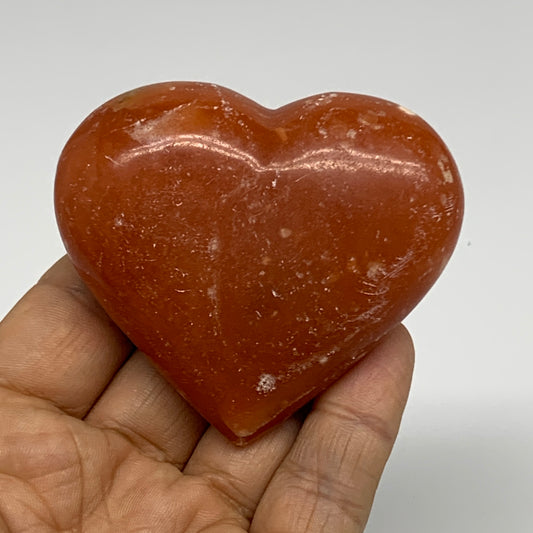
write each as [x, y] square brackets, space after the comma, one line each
[464, 458]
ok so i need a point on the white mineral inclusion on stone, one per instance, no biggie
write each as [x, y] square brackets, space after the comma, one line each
[119, 220]
[266, 383]
[375, 269]
[285, 232]
[213, 245]
[446, 172]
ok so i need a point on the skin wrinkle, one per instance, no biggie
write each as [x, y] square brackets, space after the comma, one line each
[329, 456]
[38, 404]
[190, 513]
[112, 478]
[336, 489]
[123, 427]
[360, 420]
[81, 478]
[77, 481]
[108, 487]
[27, 505]
[74, 286]
[237, 523]
[103, 513]
[227, 486]
[150, 449]
[33, 482]
[40, 478]
[91, 506]
[347, 508]
[396, 375]
[221, 526]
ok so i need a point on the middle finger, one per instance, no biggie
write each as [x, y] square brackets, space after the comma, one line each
[142, 405]
[241, 475]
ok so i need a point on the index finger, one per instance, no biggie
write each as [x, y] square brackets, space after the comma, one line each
[328, 480]
[58, 344]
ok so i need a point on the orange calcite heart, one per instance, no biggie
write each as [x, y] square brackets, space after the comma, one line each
[255, 254]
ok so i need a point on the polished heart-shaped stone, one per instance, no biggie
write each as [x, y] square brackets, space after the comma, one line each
[254, 254]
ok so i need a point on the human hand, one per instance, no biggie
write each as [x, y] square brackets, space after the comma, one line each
[92, 438]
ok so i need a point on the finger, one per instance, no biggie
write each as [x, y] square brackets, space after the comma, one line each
[241, 475]
[328, 480]
[58, 344]
[140, 404]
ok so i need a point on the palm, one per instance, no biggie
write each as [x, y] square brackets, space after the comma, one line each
[101, 480]
[92, 438]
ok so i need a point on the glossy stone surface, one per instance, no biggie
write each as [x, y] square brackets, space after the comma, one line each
[255, 254]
